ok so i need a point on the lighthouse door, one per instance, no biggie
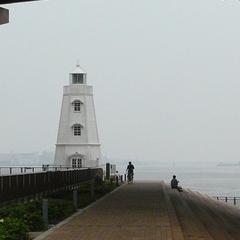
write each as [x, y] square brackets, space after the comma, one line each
[76, 162]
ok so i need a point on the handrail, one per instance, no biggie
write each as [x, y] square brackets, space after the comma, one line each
[224, 197]
[19, 186]
[19, 170]
[227, 199]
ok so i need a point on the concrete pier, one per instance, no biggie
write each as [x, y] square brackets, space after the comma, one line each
[149, 211]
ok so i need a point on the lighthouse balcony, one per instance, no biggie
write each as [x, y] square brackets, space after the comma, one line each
[78, 89]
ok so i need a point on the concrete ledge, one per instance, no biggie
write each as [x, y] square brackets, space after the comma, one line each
[69, 219]
[4, 15]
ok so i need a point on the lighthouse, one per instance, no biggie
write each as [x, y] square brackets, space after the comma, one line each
[77, 141]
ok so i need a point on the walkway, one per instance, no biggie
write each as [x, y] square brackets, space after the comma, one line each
[149, 211]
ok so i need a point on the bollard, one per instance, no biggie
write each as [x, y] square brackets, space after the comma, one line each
[117, 180]
[121, 178]
[45, 211]
[234, 201]
[125, 177]
[108, 171]
[226, 199]
[92, 189]
[75, 198]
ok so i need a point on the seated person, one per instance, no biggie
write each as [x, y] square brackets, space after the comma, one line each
[174, 184]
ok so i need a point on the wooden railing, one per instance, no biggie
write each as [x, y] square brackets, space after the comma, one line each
[21, 185]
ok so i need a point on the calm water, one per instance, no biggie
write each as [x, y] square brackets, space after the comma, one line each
[203, 177]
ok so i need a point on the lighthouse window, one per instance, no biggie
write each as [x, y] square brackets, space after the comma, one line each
[77, 78]
[76, 162]
[77, 130]
[77, 106]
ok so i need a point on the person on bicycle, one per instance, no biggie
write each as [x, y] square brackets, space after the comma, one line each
[130, 169]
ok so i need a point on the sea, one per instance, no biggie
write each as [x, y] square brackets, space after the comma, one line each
[209, 178]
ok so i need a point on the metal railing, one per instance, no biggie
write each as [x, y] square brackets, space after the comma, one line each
[22, 185]
[231, 200]
[13, 170]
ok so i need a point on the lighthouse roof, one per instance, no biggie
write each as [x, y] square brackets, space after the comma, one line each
[78, 70]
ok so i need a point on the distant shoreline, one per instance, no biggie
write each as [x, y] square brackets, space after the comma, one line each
[228, 164]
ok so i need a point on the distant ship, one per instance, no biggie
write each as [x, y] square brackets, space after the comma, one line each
[222, 164]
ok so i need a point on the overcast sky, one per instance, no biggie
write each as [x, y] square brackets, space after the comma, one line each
[166, 75]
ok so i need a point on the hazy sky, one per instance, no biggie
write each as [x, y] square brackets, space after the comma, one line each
[166, 75]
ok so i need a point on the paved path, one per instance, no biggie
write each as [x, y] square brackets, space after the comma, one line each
[147, 211]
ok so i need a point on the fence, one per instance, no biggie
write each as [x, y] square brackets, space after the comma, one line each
[13, 170]
[231, 200]
[22, 185]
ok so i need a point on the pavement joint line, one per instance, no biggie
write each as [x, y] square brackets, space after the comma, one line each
[79, 212]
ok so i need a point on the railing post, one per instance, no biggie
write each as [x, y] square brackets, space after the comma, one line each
[2, 186]
[92, 189]
[75, 198]
[117, 180]
[108, 171]
[45, 211]
[10, 181]
[10, 169]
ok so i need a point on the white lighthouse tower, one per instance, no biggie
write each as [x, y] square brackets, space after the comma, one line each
[77, 142]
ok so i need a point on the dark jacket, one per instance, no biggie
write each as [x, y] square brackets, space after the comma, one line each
[174, 183]
[130, 168]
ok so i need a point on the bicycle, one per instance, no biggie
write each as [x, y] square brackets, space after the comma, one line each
[130, 177]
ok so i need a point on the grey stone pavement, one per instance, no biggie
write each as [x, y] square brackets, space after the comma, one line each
[152, 211]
